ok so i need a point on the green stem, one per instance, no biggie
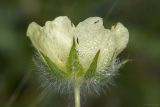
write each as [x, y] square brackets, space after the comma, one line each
[77, 95]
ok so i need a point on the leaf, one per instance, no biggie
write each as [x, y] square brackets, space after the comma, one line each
[92, 69]
[73, 64]
[54, 68]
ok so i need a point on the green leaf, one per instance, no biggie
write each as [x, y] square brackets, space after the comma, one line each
[54, 68]
[73, 64]
[92, 69]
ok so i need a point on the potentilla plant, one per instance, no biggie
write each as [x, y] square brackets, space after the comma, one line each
[82, 56]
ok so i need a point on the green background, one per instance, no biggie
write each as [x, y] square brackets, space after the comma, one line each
[138, 82]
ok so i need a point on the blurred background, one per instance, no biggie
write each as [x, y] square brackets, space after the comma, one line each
[138, 84]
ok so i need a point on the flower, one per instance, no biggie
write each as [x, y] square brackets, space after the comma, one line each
[81, 54]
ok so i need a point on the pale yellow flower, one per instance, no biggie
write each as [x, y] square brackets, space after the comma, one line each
[79, 57]
[55, 40]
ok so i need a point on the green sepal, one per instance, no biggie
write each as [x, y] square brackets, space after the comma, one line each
[93, 66]
[73, 64]
[53, 67]
[123, 63]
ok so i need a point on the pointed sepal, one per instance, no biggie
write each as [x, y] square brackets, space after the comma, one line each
[93, 66]
[73, 64]
[53, 67]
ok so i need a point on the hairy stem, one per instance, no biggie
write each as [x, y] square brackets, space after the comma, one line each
[77, 95]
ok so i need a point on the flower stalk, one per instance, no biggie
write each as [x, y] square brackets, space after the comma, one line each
[77, 95]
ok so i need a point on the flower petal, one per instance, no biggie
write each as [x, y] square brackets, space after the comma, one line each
[54, 39]
[93, 37]
[120, 36]
[34, 32]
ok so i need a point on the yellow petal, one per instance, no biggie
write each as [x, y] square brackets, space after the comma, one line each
[54, 39]
[120, 36]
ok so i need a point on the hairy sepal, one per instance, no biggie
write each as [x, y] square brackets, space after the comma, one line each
[54, 68]
[92, 68]
[73, 65]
